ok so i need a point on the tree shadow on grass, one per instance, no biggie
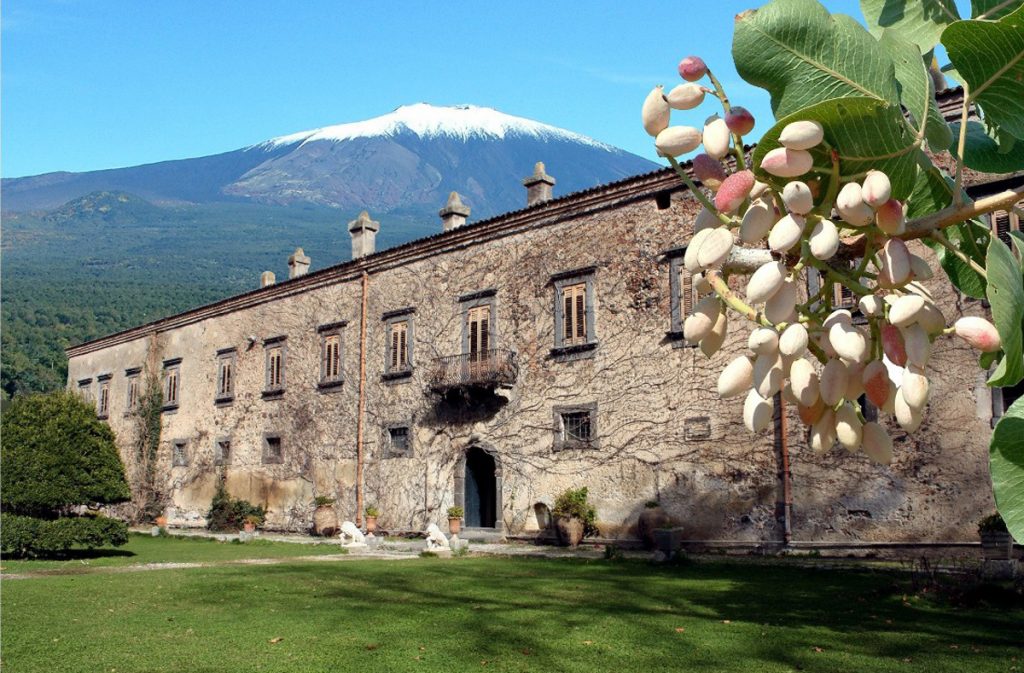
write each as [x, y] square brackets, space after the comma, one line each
[627, 616]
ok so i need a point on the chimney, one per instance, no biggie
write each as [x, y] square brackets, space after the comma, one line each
[538, 186]
[454, 213]
[364, 231]
[267, 279]
[298, 264]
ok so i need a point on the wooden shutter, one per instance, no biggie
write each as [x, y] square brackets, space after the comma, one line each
[403, 346]
[227, 377]
[574, 316]
[685, 293]
[399, 345]
[478, 331]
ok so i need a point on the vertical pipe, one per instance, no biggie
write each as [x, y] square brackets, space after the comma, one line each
[782, 443]
[362, 404]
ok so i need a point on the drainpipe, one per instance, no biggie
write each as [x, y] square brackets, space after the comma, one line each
[782, 440]
[362, 405]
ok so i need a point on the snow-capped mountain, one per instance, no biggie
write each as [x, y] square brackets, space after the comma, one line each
[405, 161]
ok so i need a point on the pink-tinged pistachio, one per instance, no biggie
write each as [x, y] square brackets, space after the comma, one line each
[692, 68]
[895, 259]
[918, 344]
[802, 135]
[876, 382]
[909, 419]
[655, 112]
[716, 137]
[832, 382]
[889, 217]
[685, 96]
[739, 120]
[759, 189]
[710, 172]
[978, 333]
[915, 387]
[876, 189]
[786, 163]
[810, 415]
[797, 197]
[677, 140]
[892, 345]
[734, 191]
[876, 443]
[851, 206]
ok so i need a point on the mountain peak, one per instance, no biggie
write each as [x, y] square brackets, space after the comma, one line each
[462, 122]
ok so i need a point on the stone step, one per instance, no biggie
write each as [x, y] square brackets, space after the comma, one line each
[481, 535]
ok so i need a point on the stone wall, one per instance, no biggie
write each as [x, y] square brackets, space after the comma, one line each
[662, 432]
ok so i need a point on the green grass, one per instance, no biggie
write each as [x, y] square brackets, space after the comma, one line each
[143, 549]
[496, 614]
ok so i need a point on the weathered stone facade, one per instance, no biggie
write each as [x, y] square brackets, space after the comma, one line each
[660, 431]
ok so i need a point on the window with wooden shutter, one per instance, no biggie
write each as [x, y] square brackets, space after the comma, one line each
[225, 377]
[331, 353]
[478, 332]
[399, 355]
[1003, 222]
[574, 314]
[104, 406]
[171, 388]
[275, 368]
[133, 392]
[686, 293]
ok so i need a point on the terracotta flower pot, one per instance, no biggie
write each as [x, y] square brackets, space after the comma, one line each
[371, 524]
[325, 521]
[161, 521]
[568, 530]
[249, 527]
[650, 520]
[454, 525]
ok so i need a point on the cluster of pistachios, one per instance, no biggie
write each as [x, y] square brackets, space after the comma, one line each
[821, 358]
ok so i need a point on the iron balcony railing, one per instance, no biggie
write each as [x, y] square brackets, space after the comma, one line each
[491, 368]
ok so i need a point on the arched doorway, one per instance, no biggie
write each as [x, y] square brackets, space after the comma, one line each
[480, 491]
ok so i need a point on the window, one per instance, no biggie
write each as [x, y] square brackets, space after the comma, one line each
[575, 427]
[103, 408]
[1003, 222]
[399, 444]
[682, 294]
[225, 375]
[273, 452]
[172, 383]
[85, 389]
[330, 354]
[400, 344]
[132, 400]
[478, 332]
[574, 312]
[222, 452]
[274, 379]
[179, 456]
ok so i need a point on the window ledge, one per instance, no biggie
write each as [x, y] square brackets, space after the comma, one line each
[225, 401]
[572, 445]
[397, 375]
[574, 352]
[329, 386]
[102, 417]
[273, 394]
[169, 408]
[678, 340]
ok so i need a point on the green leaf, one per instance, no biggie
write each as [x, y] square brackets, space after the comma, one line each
[982, 153]
[985, 360]
[970, 238]
[917, 91]
[989, 56]
[865, 132]
[1006, 295]
[918, 21]
[802, 55]
[1006, 464]
[1017, 239]
[993, 9]
[932, 192]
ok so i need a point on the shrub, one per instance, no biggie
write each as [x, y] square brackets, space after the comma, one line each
[32, 536]
[455, 512]
[56, 454]
[372, 511]
[323, 501]
[573, 503]
[992, 524]
[230, 514]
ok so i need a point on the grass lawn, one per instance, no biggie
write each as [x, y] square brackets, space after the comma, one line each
[147, 549]
[490, 613]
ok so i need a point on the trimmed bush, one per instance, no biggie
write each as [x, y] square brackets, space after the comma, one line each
[573, 503]
[229, 514]
[32, 536]
[56, 454]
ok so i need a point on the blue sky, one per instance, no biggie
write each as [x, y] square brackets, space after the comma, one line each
[110, 83]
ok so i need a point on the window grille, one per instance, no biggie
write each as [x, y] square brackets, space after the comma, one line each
[576, 426]
[222, 452]
[180, 455]
[273, 451]
[398, 439]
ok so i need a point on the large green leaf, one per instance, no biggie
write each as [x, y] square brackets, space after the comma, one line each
[982, 153]
[993, 9]
[803, 55]
[917, 92]
[970, 238]
[918, 21]
[1006, 295]
[989, 56]
[1006, 463]
[865, 132]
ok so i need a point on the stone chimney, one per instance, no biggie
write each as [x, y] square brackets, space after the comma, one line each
[267, 279]
[364, 233]
[298, 264]
[538, 186]
[454, 213]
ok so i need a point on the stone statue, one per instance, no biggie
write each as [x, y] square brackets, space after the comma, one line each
[435, 538]
[350, 535]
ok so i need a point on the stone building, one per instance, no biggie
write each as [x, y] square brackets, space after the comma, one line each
[497, 363]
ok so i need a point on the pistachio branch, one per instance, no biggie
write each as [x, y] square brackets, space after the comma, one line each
[681, 172]
[961, 144]
[737, 141]
[939, 238]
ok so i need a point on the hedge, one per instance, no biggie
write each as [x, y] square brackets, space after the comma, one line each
[31, 536]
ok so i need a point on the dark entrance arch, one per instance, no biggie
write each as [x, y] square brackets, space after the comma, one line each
[481, 491]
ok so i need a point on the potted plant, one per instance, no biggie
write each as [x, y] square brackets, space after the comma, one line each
[251, 522]
[371, 518]
[325, 519]
[652, 518]
[996, 542]
[574, 517]
[161, 521]
[455, 520]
